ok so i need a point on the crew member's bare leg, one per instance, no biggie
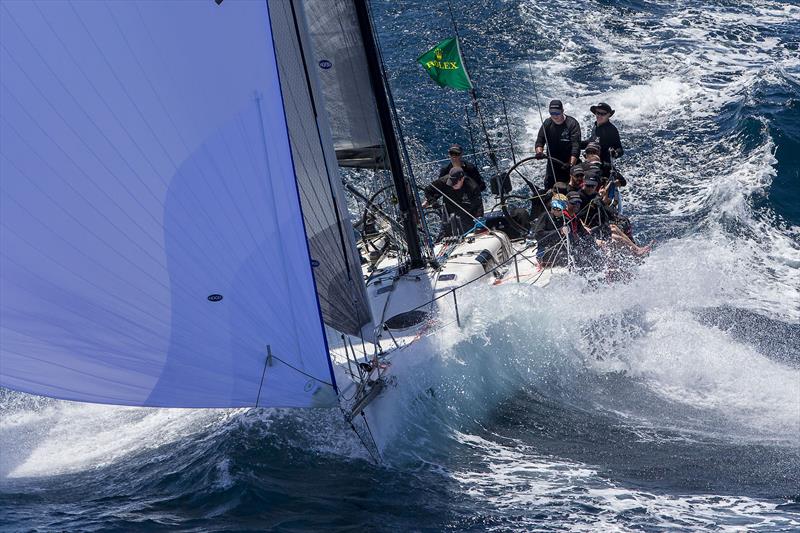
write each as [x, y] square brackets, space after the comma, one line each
[619, 237]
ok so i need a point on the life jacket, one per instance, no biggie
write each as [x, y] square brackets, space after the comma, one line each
[573, 222]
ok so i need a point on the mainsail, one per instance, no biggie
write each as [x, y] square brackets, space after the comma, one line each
[153, 243]
[340, 285]
[341, 65]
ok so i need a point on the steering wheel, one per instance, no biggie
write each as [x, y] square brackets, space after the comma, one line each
[517, 170]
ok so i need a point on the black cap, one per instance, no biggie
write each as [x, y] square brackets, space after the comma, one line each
[602, 106]
[574, 197]
[556, 105]
[455, 175]
[577, 170]
[593, 146]
[592, 177]
[455, 149]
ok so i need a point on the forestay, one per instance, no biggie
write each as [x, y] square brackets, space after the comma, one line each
[152, 239]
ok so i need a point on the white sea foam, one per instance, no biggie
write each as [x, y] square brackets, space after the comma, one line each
[686, 86]
[66, 437]
[577, 498]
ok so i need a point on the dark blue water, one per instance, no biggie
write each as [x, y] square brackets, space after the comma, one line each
[669, 403]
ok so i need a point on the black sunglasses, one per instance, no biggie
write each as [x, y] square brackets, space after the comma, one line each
[601, 113]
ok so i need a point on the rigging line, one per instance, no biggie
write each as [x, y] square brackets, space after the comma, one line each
[473, 93]
[264, 373]
[363, 443]
[469, 130]
[544, 130]
[404, 148]
[372, 438]
[508, 129]
[275, 357]
[475, 220]
[541, 273]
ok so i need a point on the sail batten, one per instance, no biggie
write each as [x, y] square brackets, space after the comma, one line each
[153, 242]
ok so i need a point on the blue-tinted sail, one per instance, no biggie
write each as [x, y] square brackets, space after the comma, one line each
[152, 241]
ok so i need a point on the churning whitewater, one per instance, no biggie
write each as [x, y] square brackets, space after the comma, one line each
[668, 402]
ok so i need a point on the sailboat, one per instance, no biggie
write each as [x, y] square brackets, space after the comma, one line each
[175, 230]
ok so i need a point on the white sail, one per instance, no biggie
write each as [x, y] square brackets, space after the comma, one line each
[340, 283]
[153, 246]
[341, 65]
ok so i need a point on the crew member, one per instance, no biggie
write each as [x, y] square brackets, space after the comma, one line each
[606, 135]
[586, 249]
[561, 134]
[456, 152]
[550, 230]
[574, 204]
[462, 200]
[603, 222]
[590, 213]
[576, 173]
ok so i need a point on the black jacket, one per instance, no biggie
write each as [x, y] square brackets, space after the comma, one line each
[593, 212]
[564, 139]
[608, 137]
[468, 197]
[469, 169]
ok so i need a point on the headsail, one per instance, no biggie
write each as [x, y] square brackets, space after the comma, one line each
[152, 239]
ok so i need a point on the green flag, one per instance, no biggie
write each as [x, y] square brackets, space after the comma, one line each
[446, 66]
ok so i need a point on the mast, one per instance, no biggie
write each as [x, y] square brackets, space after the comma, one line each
[405, 201]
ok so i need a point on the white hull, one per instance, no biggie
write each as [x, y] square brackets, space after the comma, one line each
[420, 302]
